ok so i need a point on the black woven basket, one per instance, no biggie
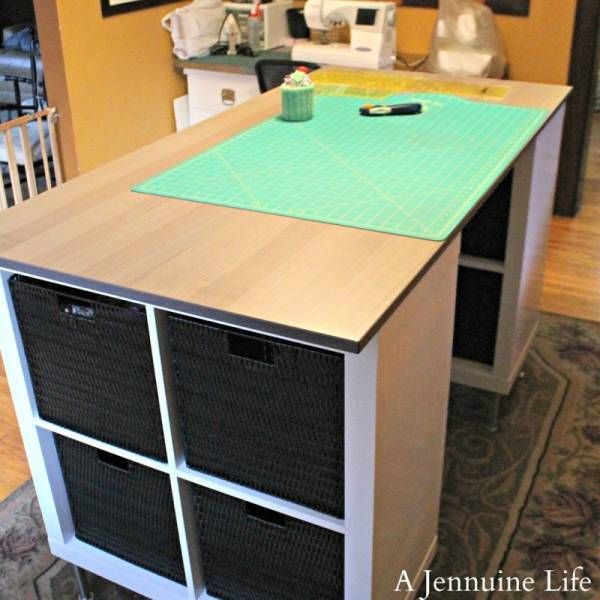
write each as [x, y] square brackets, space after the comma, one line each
[251, 553]
[122, 507]
[90, 363]
[261, 412]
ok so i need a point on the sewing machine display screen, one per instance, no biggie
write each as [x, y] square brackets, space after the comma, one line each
[366, 16]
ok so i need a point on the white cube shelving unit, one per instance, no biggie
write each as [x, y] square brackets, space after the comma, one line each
[520, 272]
[394, 431]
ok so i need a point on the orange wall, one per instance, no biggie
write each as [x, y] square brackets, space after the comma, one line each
[119, 77]
[538, 46]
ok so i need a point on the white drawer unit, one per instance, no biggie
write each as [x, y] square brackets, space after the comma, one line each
[210, 92]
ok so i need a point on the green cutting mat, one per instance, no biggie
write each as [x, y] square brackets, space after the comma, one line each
[411, 175]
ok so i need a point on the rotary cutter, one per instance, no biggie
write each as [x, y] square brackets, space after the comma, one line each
[383, 110]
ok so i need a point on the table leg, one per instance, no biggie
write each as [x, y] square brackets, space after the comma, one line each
[81, 581]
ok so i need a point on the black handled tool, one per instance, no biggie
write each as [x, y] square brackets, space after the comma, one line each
[383, 110]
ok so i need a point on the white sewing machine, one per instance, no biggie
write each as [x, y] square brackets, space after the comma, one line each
[372, 34]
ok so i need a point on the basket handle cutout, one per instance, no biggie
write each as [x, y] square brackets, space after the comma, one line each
[250, 348]
[113, 461]
[264, 515]
[76, 308]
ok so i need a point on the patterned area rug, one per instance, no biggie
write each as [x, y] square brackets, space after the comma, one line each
[521, 500]
[27, 569]
[527, 498]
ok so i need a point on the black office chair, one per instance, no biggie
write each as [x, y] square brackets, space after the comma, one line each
[270, 72]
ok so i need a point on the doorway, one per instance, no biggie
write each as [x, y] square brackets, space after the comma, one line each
[583, 76]
[21, 69]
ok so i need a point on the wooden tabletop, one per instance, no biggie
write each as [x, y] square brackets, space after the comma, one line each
[322, 283]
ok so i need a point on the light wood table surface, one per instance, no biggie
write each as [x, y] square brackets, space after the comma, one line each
[317, 282]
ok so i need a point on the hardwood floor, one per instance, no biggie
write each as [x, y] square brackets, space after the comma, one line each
[572, 278]
[14, 471]
[571, 287]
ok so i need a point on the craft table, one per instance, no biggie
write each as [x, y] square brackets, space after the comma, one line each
[382, 304]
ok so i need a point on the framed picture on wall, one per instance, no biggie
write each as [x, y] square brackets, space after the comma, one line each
[117, 7]
[517, 8]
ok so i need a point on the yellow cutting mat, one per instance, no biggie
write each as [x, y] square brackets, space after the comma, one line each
[378, 85]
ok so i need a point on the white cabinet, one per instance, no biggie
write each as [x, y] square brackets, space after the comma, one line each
[210, 92]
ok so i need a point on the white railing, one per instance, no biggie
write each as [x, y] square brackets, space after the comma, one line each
[28, 155]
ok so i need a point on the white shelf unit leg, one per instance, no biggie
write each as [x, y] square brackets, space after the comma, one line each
[396, 393]
[359, 470]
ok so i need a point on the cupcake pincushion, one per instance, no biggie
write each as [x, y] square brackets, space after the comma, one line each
[297, 96]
